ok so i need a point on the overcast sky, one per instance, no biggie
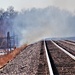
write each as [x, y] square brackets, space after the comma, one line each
[20, 4]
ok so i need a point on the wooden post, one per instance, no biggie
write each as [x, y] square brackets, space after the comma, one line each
[8, 41]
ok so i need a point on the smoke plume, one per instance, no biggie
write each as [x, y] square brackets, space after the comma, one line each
[36, 24]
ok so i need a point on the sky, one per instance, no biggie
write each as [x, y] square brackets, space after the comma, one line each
[28, 4]
[20, 4]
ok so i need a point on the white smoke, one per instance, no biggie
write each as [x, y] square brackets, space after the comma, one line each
[36, 24]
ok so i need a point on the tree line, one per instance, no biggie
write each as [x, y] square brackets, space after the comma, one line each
[6, 19]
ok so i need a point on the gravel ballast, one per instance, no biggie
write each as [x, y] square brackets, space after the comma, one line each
[25, 63]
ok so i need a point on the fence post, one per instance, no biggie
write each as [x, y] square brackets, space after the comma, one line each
[8, 41]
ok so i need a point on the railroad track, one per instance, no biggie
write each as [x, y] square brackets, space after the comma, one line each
[43, 58]
[60, 61]
[43, 66]
[70, 47]
[70, 42]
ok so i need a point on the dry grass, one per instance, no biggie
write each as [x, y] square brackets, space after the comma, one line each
[5, 59]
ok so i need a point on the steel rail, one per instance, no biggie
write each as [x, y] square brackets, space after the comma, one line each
[48, 60]
[72, 56]
[69, 42]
